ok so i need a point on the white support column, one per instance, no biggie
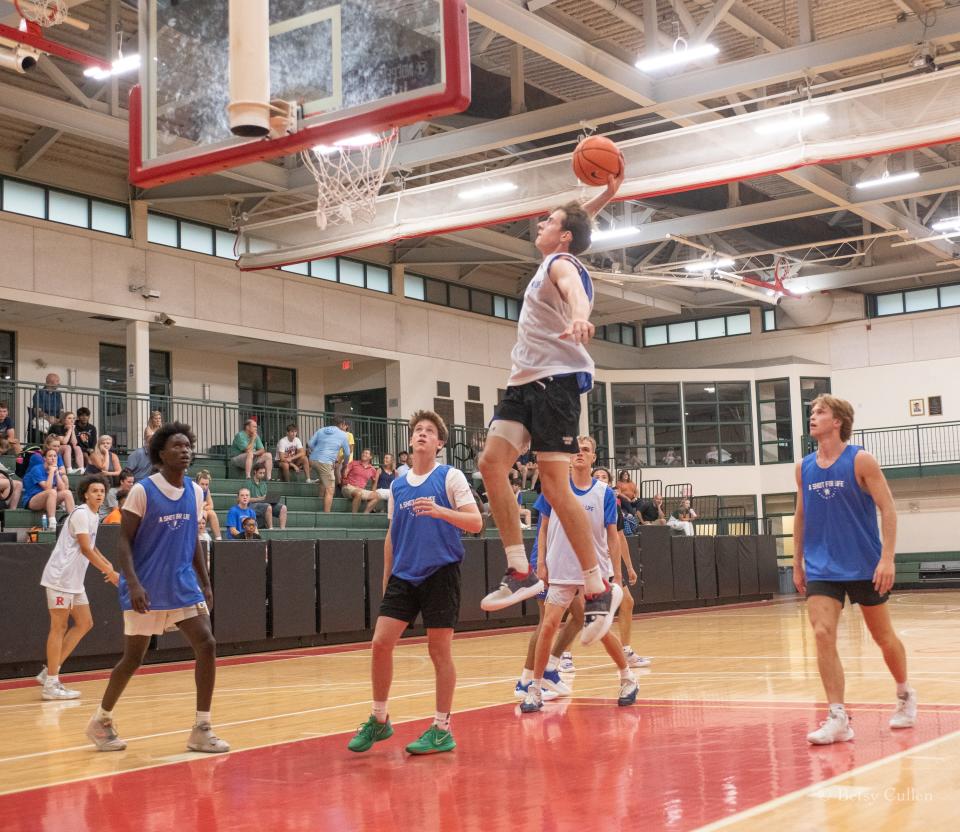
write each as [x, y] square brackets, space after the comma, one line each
[650, 27]
[518, 95]
[396, 279]
[138, 381]
[808, 33]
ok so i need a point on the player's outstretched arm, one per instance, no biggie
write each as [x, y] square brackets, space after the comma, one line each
[596, 204]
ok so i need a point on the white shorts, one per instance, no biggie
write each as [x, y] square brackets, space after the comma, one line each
[562, 595]
[57, 600]
[383, 493]
[155, 622]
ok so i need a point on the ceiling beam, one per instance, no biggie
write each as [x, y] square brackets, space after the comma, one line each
[38, 144]
[747, 22]
[900, 270]
[711, 20]
[496, 242]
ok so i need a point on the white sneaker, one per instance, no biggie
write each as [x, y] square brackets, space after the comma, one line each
[835, 728]
[203, 739]
[633, 660]
[906, 714]
[103, 734]
[55, 690]
[599, 612]
[520, 691]
[566, 663]
[41, 677]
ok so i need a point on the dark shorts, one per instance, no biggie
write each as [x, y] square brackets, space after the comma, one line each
[550, 411]
[437, 598]
[260, 508]
[859, 592]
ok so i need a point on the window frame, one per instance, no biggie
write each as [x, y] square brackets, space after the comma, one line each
[48, 190]
[761, 422]
[719, 424]
[667, 325]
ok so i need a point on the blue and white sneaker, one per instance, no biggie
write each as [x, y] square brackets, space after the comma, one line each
[520, 691]
[628, 692]
[553, 682]
[566, 663]
[633, 660]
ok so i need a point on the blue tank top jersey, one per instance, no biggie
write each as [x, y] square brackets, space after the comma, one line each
[163, 551]
[422, 545]
[536, 545]
[841, 538]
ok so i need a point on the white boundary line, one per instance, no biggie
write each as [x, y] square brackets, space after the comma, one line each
[763, 808]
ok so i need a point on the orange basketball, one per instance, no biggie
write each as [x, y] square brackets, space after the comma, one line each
[596, 158]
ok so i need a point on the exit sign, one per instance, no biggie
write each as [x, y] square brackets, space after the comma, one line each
[346, 364]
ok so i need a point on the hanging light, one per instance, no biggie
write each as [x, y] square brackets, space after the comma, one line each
[681, 54]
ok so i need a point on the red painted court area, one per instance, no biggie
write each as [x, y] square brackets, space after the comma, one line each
[582, 764]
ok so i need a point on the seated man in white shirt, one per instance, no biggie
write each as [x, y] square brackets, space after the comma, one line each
[291, 455]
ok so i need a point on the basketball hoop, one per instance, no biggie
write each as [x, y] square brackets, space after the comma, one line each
[349, 176]
[42, 12]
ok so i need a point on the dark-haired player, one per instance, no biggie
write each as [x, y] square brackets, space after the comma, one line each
[541, 408]
[164, 583]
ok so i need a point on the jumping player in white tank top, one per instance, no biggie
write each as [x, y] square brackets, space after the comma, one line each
[541, 408]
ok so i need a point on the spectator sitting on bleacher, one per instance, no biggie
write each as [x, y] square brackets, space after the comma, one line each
[651, 512]
[8, 433]
[70, 448]
[402, 465]
[152, 426]
[44, 488]
[139, 464]
[47, 406]
[387, 474]
[209, 514]
[247, 450]
[250, 529]
[239, 513]
[524, 512]
[126, 483]
[291, 455]
[36, 458]
[357, 478]
[324, 446]
[527, 465]
[682, 519]
[86, 432]
[103, 460]
[264, 508]
[10, 491]
[113, 518]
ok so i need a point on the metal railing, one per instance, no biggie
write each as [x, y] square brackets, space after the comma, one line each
[906, 446]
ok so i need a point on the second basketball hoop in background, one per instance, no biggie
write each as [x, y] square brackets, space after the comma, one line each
[596, 158]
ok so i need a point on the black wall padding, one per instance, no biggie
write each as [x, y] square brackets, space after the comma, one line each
[341, 581]
[293, 587]
[767, 564]
[728, 566]
[747, 553]
[106, 637]
[374, 579]
[239, 577]
[705, 558]
[23, 636]
[496, 566]
[473, 576]
[684, 568]
[657, 566]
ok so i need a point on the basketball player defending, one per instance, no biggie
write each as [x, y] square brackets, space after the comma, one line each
[164, 583]
[541, 409]
[561, 569]
[428, 508]
[838, 553]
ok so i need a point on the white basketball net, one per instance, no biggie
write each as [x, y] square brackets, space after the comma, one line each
[43, 12]
[349, 177]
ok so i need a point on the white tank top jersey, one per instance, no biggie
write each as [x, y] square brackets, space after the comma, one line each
[540, 351]
[599, 502]
[67, 566]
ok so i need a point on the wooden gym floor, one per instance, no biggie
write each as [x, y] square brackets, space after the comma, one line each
[717, 739]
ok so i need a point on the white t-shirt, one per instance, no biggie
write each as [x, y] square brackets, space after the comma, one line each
[67, 566]
[458, 490]
[540, 351]
[137, 498]
[284, 446]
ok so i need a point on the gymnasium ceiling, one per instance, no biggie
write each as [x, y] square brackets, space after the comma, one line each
[572, 57]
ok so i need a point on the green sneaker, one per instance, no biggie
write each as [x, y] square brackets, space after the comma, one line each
[370, 732]
[432, 741]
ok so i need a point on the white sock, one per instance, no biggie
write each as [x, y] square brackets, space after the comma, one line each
[837, 708]
[553, 662]
[626, 675]
[517, 558]
[627, 649]
[52, 680]
[202, 716]
[592, 581]
[526, 677]
[902, 688]
[536, 687]
[442, 721]
[103, 715]
[380, 711]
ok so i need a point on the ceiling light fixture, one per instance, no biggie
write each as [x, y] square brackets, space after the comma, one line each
[605, 234]
[125, 63]
[709, 265]
[483, 191]
[680, 55]
[886, 178]
[950, 224]
[774, 126]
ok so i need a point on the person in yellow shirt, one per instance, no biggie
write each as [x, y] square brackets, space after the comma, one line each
[341, 462]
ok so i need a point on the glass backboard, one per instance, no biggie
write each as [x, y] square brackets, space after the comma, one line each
[352, 66]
